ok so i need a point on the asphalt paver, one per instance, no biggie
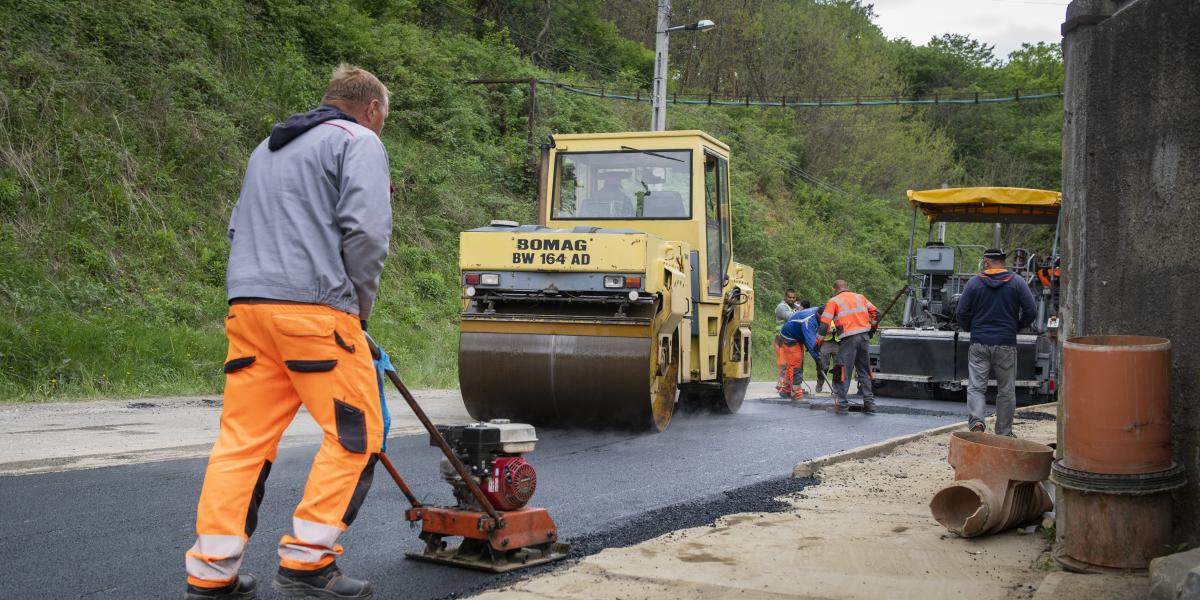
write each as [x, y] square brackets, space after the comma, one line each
[120, 532]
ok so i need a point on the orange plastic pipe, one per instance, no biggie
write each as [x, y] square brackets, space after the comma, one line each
[995, 484]
[1116, 395]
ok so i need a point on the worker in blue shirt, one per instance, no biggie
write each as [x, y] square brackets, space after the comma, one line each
[799, 334]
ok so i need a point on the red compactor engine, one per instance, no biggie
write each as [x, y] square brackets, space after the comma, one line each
[491, 451]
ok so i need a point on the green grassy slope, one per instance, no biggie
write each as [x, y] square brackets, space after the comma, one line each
[124, 130]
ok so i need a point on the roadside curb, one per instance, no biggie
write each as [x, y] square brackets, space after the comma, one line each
[812, 467]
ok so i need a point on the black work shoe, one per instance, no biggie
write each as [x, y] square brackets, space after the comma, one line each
[327, 582]
[242, 589]
[841, 408]
[977, 425]
[869, 407]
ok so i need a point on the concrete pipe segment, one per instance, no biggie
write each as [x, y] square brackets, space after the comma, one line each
[996, 484]
[1113, 521]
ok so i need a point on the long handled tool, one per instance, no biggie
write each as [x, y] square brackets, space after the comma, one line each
[883, 314]
[820, 364]
[493, 540]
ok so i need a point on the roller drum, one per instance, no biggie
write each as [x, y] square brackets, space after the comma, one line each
[568, 380]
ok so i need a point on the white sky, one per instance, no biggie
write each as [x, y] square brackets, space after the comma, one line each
[1004, 23]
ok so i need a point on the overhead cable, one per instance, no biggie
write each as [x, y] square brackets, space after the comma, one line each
[953, 98]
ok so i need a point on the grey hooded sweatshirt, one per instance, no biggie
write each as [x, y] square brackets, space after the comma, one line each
[313, 220]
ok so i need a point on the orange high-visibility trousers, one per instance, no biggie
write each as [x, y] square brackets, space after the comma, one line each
[793, 373]
[281, 356]
[784, 383]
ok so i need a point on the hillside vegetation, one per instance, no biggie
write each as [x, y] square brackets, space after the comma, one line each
[125, 126]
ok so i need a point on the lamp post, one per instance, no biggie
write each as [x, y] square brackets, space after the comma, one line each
[663, 29]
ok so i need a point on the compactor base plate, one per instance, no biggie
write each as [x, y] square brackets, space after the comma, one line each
[527, 537]
[458, 556]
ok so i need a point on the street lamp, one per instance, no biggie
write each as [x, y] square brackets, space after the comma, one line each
[701, 25]
[658, 121]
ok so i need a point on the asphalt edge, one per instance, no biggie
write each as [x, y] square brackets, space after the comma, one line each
[811, 468]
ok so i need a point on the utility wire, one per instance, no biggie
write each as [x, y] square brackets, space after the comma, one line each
[1033, 2]
[954, 98]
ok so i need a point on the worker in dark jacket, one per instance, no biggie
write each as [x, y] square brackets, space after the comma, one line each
[994, 306]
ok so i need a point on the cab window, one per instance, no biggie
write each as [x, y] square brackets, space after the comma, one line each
[716, 212]
[626, 185]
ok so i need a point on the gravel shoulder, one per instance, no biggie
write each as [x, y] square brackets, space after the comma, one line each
[864, 531]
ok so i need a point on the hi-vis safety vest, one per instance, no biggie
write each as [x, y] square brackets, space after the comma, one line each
[849, 314]
[831, 336]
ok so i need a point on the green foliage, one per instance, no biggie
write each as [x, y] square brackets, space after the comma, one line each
[1015, 144]
[566, 36]
[124, 130]
[1050, 534]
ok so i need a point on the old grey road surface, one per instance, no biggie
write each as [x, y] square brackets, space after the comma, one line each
[121, 531]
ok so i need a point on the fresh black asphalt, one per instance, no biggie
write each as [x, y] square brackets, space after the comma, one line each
[121, 532]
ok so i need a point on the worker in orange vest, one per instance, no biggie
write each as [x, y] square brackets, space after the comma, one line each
[854, 319]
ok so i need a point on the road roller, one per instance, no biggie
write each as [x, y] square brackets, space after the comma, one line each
[622, 301]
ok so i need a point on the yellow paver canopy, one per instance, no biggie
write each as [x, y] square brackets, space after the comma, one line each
[987, 204]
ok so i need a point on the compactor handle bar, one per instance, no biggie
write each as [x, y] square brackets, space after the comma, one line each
[440, 441]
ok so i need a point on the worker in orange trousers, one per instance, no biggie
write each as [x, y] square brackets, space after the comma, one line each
[308, 238]
[783, 312]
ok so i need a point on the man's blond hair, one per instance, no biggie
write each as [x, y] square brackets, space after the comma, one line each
[356, 86]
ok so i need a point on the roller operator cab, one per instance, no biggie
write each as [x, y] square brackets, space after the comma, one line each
[622, 298]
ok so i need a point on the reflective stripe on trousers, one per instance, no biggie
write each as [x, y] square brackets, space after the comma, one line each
[214, 560]
[312, 544]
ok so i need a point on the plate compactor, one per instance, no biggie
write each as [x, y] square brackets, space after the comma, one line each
[492, 484]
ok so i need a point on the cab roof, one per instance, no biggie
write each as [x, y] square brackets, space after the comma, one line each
[629, 135]
[987, 205]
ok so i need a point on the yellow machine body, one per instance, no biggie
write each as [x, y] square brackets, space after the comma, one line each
[623, 294]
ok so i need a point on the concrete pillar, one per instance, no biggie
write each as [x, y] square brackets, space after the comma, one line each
[1131, 188]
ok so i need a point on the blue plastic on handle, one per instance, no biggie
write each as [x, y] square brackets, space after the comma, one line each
[382, 364]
